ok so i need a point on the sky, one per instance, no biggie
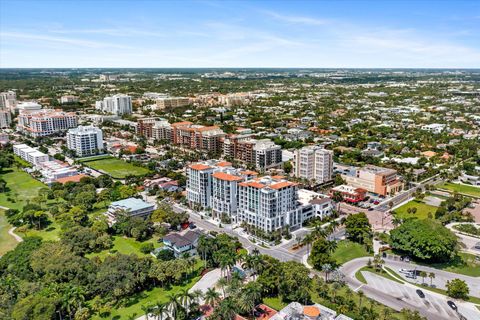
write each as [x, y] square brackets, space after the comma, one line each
[186, 34]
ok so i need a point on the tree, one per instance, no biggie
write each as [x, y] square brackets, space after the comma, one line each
[146, 247]
[378, 262]
[423, 274]
[457, 289]
[295, 283]
[212, 297]
[425, 239]
[357, 227]
[321, 253]
[431, 275]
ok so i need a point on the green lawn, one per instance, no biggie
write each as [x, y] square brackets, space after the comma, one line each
[21, 188]
[125, 246]
[146, 298]
[116, 168]
[464, 264]
[361, 278]
[50, 233]
[7, 242]
[275, 303]
[461, 188]
[348, 250]
[422, 210]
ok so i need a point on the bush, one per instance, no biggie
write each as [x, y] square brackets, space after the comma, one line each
[457, 289]
[146, 247]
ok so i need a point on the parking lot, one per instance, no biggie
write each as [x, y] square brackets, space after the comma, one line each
[434, 304]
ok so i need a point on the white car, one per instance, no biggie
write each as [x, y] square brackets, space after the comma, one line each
[404, 271]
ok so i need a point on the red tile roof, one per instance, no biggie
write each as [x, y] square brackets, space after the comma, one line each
[71, 178]
[226, 176]
[199, 167]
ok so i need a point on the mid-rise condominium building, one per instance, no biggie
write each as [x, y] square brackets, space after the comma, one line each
[28, 106]
[263, 154]
[269, 203]
[8, 100]
[85, 140]
[30, 154]
[313, 163]
[378, 180]
[68, 99]
[171, 102]
[45, 122]
[5, 118]
[118, 104]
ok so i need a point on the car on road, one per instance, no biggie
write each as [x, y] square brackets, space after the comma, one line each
[404, 270]
[192, 225]
[420, 293]
[452, 305]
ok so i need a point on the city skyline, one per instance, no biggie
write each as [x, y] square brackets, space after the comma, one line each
[207, 34]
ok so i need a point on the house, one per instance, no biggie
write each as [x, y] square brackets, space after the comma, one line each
[182, 244]
[132, 206]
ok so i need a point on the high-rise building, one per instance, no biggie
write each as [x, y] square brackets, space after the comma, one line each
[313, 163]
[85, 140]
[8, 100]
[118, 104]
[45, 122]
[5, 118]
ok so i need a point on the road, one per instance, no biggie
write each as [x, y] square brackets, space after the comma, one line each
[399, 296]
[467, 240]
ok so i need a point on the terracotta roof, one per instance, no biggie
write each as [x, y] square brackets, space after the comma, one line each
[75, 178]
[183, 123]
[283, 184]
[311, 311]
[249, 173]
[224, 164]
[199, 166]
[278, 177]
[226, 176]
[252, 184]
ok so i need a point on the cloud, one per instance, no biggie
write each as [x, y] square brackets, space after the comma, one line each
[297, 19]
[63, 40]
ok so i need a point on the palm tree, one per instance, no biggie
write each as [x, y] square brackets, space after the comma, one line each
[331, 246]
[185, 298]
[360, 297]
[386, 313]
[431, 275]
[173, 304]
[423, 274]
[326, 268]
[222, 283]
[212, 297]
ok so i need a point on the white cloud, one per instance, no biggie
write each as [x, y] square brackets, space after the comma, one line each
[297, 19]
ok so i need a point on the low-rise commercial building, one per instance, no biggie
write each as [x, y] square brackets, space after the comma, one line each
[132, 206]
[378, 180]
[349, 193]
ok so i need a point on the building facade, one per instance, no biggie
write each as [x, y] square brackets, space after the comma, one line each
[378, 180]
[313, 163]
[30, 154]
[8, 100]
[85, 140]
[118, 104]
[5, 118]
[46, 122]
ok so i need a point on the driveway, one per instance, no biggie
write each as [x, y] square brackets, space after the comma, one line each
[207, 281]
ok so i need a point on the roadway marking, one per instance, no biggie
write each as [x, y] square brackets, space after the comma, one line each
[359, 287]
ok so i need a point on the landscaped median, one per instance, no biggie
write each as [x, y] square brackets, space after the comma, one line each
[464, 189]
[380, 272]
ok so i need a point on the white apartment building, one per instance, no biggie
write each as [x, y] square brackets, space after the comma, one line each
[269, 203]
[68, 99]
[267, 154]
[118, 104]
[28, 106]
[8, 100]
[45, 122]
[434, 127]
[5, 119]
[30, 154]
[85, 140]
[313, 163]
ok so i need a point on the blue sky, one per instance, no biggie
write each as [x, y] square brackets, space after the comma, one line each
[364, 34]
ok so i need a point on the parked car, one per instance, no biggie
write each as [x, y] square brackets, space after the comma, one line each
[192, 225]
[420, 293]
[452, 305]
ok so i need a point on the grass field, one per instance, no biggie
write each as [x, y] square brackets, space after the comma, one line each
[116, 168]
[21, 188]
[275, 303]
[7, 242]
[465, 264]
[50, 233]
[422, 210]
[461, 188]
[348, 250]
[125, 246]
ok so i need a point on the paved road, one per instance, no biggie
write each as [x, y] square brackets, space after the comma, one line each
[441, 277]
[468, 241]
[398, 296]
